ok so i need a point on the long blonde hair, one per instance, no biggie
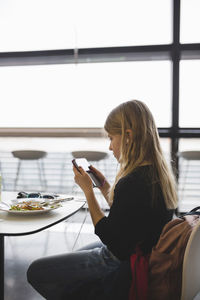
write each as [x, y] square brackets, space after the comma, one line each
[143, 148]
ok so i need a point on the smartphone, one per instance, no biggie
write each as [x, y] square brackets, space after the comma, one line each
[82, 162]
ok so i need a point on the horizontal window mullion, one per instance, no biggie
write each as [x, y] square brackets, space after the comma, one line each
[88, 132]
[158, 52]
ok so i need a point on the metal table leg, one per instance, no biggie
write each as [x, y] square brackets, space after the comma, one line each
[1, 267]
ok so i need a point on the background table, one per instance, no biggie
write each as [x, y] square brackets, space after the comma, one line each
[16, 225]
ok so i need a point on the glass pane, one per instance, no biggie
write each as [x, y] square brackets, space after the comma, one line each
[190, 21]
[36, 25]
[61, 24]
[82, 95]
[189, 93]
[165, 145]
[189, 176]
[189, 144]
[124, 23]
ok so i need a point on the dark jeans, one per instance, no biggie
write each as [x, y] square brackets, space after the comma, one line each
[84, 274]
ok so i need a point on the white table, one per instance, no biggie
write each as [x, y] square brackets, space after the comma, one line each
[16, 225]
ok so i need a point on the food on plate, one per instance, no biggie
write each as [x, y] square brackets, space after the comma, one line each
[27, 205]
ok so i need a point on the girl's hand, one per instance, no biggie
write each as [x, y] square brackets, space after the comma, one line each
[101, 177]
[83, 179]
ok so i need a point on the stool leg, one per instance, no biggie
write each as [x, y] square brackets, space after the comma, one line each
[41, 174]
[17, 174]
[184, 180]
[62, 172]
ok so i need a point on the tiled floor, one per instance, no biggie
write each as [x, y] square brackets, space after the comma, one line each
[21, 251]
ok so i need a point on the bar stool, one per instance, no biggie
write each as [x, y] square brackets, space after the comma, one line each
[90, 155]
[35, 155]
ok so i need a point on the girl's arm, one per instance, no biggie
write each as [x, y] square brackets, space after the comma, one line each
[105, 188]
[84, 181]
[94, 208]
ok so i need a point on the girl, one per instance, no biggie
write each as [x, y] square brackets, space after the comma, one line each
[142, 200]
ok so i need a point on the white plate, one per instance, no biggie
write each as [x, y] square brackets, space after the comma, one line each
[31, 212]
[53, 204]
[45, 209]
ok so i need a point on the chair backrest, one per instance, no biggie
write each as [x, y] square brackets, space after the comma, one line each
[191, 266]
[90, 155]
[29, 154]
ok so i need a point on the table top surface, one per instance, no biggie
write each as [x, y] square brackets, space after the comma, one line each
[23, 224]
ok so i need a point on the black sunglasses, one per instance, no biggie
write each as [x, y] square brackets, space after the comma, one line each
[35, 195]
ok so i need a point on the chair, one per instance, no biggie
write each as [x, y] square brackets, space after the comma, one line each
[191, 266]
[33, 155]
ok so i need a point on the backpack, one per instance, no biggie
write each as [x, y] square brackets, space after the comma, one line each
[166, 259]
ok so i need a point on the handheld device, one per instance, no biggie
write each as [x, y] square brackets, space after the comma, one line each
[82, 162]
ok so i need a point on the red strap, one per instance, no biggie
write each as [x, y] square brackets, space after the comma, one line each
[139, 267]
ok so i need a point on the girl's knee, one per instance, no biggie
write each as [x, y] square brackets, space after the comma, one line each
[34, 272]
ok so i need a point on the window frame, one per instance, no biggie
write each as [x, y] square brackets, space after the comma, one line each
[173, 52]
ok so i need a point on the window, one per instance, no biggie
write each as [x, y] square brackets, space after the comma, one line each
[123, 23]
[189, 93]
[113, 51]
[64, 24]
[189, 144]
[82, 95]
[190, 21]
[125, 50]
[36, 25]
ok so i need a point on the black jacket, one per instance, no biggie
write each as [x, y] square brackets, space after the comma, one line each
[136, 216]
